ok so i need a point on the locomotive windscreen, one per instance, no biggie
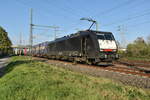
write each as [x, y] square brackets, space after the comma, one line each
[106, 41]
[105, 37]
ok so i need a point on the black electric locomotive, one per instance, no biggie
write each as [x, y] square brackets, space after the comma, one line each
[92, 47]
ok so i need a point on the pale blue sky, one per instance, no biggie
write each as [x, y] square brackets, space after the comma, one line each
[134, 15]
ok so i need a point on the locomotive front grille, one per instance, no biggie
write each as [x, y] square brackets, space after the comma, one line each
[109, 56]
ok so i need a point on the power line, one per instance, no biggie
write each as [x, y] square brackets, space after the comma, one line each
[135, 25]
[127, 19]
[134, 5]
[139, 24]
[68, 3]
[63, 9]
[23, 3]
[28, 5]
[46, 10]
[145, 10]
[71, 14]
[44, 26]
[115, 7]
[54, 27]
[40, 29]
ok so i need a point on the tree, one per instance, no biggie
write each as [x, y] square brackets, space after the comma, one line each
[148, 40]
[5, 42]
[138, 49]
[139, 40]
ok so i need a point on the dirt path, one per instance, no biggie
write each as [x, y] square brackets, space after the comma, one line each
[3, 63]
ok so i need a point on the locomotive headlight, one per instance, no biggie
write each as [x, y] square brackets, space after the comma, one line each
[114, 50]
[101, 50]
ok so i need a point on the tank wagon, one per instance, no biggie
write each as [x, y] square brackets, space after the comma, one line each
[92, 47]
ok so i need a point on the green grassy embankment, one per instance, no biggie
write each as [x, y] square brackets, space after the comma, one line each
[25, 79]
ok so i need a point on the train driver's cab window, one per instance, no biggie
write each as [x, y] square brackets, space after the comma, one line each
[109, 37]
[101, 37]
[105, 37]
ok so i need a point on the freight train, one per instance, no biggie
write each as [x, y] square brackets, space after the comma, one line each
[92, 47]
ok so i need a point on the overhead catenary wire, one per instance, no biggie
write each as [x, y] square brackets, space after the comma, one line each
[133, 25]
[127, 19]
[28, 5]
[67, 5]
[129, 6]
[70, 11]
[138, 4]
[33, 25]
[81, 11]
[138, 24]
[109, 24]
[71, 16]
[115, 7]
[46, 10]
[75, 16]
[63, 9]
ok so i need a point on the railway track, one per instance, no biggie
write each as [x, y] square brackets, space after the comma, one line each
[121, 69]
[137, 66]
[130, 71]
[119, 72]
[118, 68]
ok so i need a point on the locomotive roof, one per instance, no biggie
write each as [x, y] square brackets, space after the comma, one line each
[99, 31]
[79, 33]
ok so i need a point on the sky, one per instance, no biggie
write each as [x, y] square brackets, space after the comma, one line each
[132, 16]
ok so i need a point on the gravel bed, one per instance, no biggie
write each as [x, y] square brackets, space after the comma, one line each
[134, 80]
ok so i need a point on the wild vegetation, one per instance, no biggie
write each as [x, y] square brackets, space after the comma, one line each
[138, 50]
[5, 43]
[27, 79]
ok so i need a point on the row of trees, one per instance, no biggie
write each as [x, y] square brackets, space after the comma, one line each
[5, 43]
[139, 48]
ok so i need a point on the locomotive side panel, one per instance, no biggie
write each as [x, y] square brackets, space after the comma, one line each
[67, 47]
[91, 49]
[73, 46]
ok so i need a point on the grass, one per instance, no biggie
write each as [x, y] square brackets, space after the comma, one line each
[26, 79]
